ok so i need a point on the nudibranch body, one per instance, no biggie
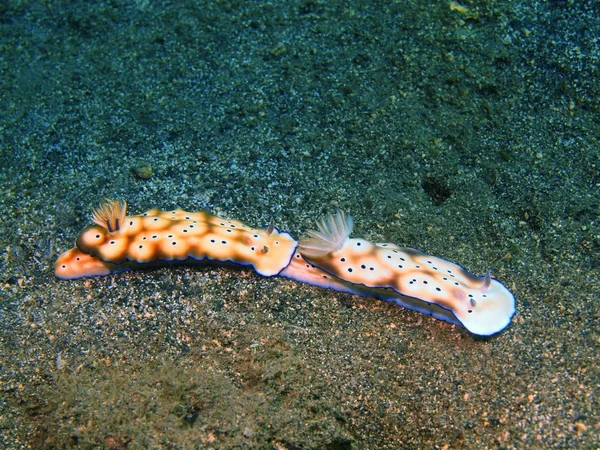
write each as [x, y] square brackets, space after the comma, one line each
[327, 258]
[172, 236]
[406, 276]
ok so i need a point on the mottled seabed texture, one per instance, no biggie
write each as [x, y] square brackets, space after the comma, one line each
[469, 130]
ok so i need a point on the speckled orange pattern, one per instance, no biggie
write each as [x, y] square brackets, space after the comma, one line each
[178, 235]
[328, 258]
[482, 304]
[76, 264]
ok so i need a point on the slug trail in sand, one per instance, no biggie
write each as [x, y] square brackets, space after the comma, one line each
[327, 258]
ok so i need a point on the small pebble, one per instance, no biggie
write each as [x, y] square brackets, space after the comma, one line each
[143, 170]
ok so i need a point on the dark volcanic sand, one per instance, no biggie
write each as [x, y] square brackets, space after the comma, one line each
[467, 130]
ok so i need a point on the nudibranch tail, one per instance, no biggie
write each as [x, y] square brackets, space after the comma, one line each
[333, 232]
[110, 215]
[76, 264]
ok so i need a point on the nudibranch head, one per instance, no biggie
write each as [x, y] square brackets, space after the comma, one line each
[110, 215]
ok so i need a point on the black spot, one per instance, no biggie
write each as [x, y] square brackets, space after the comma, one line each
[141, 246]
[349, 269]
[425, 282]
[185, 231]
[371, 268]
[191, 226]
[156, 219]
[389, 256]
[255, 235]
[417, 267]
[174, 243]
[187, 217]
[170, 236]
[343, 259]
[78, 258]
[438, 289]
[325, 276]
[97, 236]
[64, 267]
[358, 244]
[297, 256]
[154, 237]
[112, 242]
[229, 231]
[470, 311]
[363, 266]
[131, 223]
[223, 242]
[400, 266]
[437, 189]
[212, 240]
[252, 248]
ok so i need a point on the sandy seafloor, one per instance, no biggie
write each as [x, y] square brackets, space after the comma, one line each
[469, 130]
